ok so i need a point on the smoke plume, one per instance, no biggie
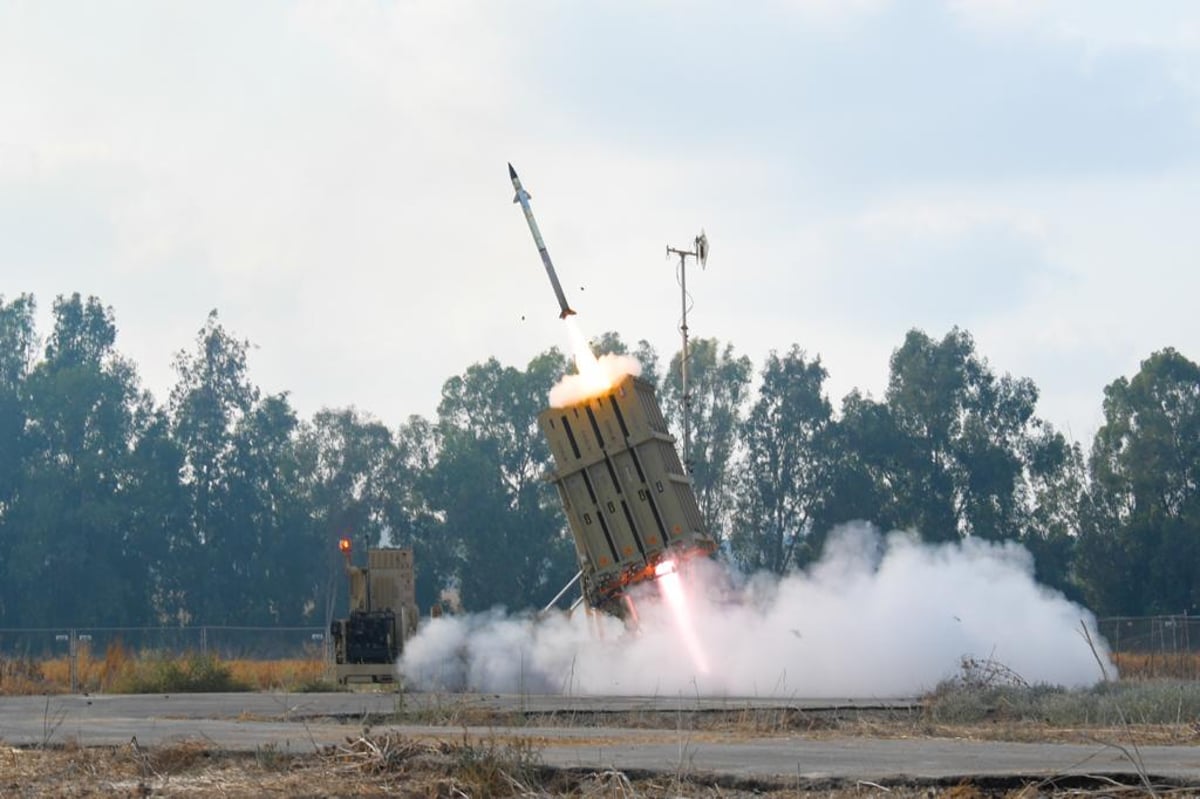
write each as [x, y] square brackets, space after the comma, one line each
[877, 616]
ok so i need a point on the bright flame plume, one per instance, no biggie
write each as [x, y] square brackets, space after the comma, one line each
[594, 376]
[670, 584]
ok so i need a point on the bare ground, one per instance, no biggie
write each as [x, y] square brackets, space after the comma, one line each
[388, 764]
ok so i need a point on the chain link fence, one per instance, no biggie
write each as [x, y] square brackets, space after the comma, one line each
[1152, 634]
[250, 643]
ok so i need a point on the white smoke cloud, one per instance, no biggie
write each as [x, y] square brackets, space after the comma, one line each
[878, 616]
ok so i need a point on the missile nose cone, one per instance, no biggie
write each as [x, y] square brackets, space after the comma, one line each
[512, 173]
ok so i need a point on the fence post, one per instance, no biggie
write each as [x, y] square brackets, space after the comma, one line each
[73, 657]
[204, 641]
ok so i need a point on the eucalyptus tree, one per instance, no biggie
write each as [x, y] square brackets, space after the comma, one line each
[1141, 533]
[158, 514]
[348, 458]
[503, 529]
[718, 388]
[970, 438]
[1058, 483]
[211, 554]
[347, 464]
[869, 473]
[70, 516]
[783, 477]
[411, 516]
[273, 561]
[18, 338]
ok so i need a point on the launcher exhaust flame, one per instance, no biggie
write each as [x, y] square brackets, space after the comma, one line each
[670, 585]
[522, 197]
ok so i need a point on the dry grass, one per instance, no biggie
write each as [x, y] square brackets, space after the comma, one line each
[21, 677]
[391, 765]
[120, 671]
[271, 675]
[1158, 665]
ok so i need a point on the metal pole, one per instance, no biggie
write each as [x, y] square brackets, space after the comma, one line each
[700, 253]
[564, 590]
[73, 646]
[683, 367]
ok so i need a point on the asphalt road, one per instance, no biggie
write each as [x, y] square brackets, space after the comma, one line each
[304, 722]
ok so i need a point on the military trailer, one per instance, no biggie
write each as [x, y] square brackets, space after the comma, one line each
[383, 615]
[627, 498]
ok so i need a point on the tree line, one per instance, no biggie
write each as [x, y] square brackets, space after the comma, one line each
[222, 506]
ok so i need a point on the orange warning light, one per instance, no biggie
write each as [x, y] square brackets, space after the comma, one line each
[344, 546]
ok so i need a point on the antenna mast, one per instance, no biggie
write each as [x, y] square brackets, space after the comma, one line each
[699, 252]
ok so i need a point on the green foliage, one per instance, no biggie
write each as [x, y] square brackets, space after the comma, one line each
[718, 388]
[69, 503]
[498, 516]
[221, 506]
[953, 451]
[1141, 532]
[161, 673]
[784, 475]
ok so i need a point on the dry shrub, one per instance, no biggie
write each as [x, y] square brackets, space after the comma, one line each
[88, 671]
[92, 673]
[57, 672]
[488, 768]
[390, 753]
[22, 677]
[483, 769]
[121, 671]
[175, 758]
[115, 665]
[192, 673]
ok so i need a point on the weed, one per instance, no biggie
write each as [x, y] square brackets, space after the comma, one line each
[275, 675]
[51, 721]
[269, 757]
[489, 769]
[1161, 702]
[1158, 665]
[191, 674]
[22, 677]
[123, 671]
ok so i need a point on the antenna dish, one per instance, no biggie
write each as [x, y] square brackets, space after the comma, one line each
[702, 248]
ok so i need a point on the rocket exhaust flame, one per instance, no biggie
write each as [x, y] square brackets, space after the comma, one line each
[594, 376]
[670, 585]
[587, 365]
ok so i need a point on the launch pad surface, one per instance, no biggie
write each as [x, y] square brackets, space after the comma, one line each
[646, 735]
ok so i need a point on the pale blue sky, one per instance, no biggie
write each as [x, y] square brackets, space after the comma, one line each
[331, 177]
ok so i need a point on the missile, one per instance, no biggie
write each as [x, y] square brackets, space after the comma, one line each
[523, 198]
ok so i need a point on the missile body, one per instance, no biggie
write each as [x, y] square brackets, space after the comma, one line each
[523, 198]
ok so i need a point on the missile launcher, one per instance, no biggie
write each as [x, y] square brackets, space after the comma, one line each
[383, 616]
[628, 501]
